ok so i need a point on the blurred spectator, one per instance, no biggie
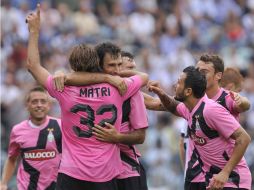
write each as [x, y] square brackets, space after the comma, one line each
[85, 20]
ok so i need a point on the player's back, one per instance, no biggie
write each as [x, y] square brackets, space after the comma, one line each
[85, 157]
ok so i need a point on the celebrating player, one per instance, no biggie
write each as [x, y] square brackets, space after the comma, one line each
[87, 163]
[219, 140]
[37, 141]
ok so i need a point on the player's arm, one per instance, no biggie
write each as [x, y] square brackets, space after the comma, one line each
[85, 78]
[153, 103]
[134, 137]
[33, 58]
[129, 73]
[168, 102]
[242, 140]
[110, 134]
[242, 103]
[137, 120]
[8, 171]
[182, 151]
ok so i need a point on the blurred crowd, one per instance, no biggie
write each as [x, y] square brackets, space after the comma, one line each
[164, 35]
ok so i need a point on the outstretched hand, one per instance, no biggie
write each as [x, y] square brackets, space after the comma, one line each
[33, 20]
[154, 86]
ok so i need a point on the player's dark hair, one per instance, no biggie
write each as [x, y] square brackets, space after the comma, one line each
[216, 60]
[84, 58]
[127, 54]
[107, 47]
[196, 81]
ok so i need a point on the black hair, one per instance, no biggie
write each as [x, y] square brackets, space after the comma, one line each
[107, 47]
[195, 80]
[127, 54]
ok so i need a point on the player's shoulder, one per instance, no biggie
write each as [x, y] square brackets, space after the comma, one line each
[58, 120]
[54, 118]
[212, 106]
[181, 106]
[20, 125]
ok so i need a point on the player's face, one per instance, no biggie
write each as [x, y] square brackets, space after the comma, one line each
[180, 89]
[208, 70]
[128, 63]
[112, 66]
[38, 105]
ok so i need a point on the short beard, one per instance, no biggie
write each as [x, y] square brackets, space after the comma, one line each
[180, 99]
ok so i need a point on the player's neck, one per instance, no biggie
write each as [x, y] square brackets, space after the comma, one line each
[191, 103]
[211, 92]
[38, 122]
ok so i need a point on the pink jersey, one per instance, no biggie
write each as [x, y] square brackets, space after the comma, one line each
[223, 98]
[134, 117]
[40, 148]
[84, 157]
[210, 128]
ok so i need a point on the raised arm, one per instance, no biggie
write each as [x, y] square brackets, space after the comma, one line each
[33, 60]
[168, 102]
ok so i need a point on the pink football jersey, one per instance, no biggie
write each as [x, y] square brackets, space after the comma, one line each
[85, 157]
[40, 148]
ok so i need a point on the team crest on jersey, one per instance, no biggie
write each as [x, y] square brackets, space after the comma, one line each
[39, 155]
[198, 140]
[197, 126]
[50, 135]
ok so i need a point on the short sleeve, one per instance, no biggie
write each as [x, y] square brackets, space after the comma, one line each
[183, 111]
[133, 84]
[138, 115]
[219, 119]
[14, 147]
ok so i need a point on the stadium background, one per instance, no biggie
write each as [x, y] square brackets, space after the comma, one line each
[164, 35]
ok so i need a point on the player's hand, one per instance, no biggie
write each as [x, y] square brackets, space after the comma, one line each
[154, 86]
[106, 134]
[3, 186]
[153, 83]
[237, 98]
[218, 181]
[33, 20]
[119, 83]
[59, 79]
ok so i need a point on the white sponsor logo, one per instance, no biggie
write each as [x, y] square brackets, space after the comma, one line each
[39, 154]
